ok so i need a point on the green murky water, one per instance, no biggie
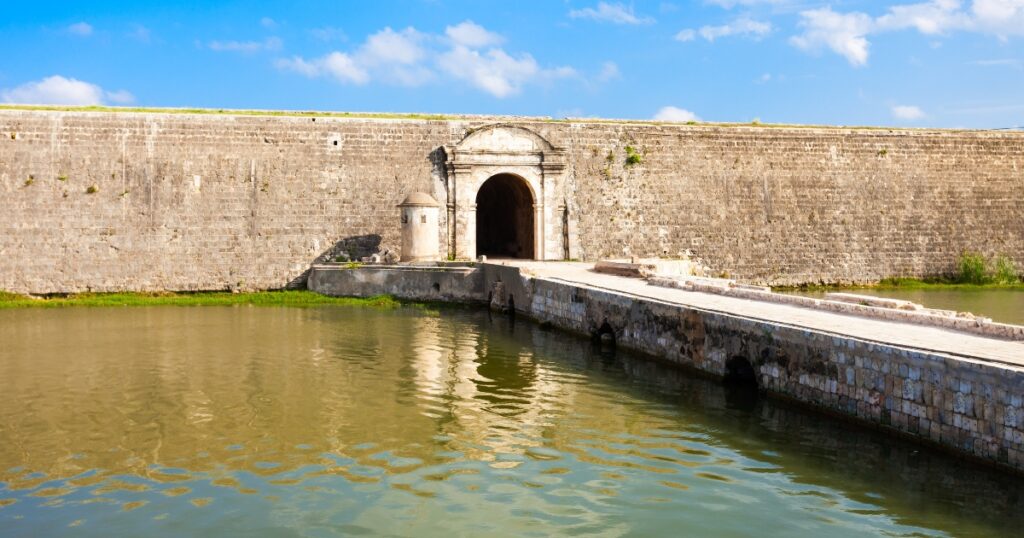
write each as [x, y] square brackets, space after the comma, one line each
[1002, 305]
[334, 421]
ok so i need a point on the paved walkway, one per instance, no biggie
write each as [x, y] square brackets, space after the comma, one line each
[905, 335]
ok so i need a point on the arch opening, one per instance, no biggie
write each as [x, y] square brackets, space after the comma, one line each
[504, 218]
[741, 389]
[740, 373]
[604, 335]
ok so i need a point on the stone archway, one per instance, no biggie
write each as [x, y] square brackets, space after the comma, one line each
[504, 218]
[538, 169]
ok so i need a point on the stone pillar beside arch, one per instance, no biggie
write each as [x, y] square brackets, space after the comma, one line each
[507, 150]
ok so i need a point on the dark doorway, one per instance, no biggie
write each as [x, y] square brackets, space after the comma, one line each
[504, 218]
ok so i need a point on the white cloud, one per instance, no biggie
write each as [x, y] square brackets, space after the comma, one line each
[472, 35]
[1001, 62]
[847, 33]
[671, 113]
[729, 4]
[120, 97]
[388, 46]
[81, 29]
[844, 33]
[907, 112]
[1003, 18]
[246, 47]
[337, 65]
[613, 13]
[395, 56]
[609, 71]
[58, 90]
[140, 33]
[329, 33]
[267, 22]
[495, 71]
[741, 26]
[467, 52]
[934, 17]
[686, 35]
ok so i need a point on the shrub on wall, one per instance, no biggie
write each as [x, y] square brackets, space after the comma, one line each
[974, 268]
[1005, 271]
[971, 269]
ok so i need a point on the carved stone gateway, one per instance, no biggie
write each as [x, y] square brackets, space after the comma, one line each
[520, 161]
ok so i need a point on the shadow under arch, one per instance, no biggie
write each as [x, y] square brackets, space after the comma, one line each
[504, 217]
[741, 388]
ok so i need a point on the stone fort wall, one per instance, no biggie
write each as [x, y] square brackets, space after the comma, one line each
[147, 201]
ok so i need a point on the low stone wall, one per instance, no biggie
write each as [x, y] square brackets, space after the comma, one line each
[900, 311]
[970, 407]
[974, 408]
[453, 283]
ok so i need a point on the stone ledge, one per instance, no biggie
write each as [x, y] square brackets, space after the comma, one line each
[923, 316]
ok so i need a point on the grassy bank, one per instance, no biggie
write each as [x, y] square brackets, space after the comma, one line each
[943, 284]
[296, 298]
[897, 284]
[974, 271]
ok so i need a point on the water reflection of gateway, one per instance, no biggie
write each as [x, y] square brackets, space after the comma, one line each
[485, 389]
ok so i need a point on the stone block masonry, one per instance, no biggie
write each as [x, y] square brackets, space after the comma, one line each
[968, 405]
[108, 201]
[961, 392]
[971, 407]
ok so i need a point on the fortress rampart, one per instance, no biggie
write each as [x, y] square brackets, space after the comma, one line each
[107, 201]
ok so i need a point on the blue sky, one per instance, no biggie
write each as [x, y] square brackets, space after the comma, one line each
[944, 63]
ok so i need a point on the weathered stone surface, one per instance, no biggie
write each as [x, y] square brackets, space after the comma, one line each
[190, 202]
[970, 404]
[933, 396]
[420, 283]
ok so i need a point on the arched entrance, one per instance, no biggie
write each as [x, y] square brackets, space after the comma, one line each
[504, 218]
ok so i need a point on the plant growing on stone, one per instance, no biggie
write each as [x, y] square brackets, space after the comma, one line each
[31, 179]
[92, 189]
[62, 177]
[632, 156]
[972, 269]
[1005, 271]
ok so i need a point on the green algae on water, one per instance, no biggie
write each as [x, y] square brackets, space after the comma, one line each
[295, 298]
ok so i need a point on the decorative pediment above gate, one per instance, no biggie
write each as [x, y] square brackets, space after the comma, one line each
[504, 144]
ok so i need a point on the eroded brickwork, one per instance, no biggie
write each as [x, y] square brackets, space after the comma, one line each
[217, 201]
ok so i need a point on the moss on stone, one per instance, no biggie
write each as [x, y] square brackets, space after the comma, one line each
[465, 117]
[294, 298]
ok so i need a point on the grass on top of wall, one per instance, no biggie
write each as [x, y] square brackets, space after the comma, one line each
[296, 298]
[234, 112]
[439, 117]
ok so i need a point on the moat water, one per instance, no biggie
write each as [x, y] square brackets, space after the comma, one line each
[1002, 305]
[335, 421]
